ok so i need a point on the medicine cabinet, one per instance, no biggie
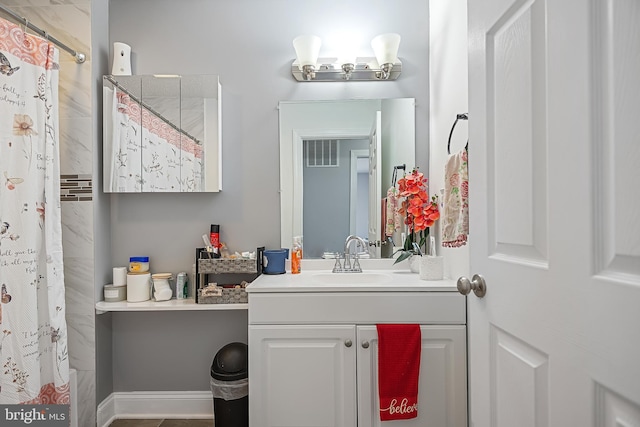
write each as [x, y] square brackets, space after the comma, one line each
[161, 133]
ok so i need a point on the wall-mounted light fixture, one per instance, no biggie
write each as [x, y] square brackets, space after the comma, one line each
[307, 67]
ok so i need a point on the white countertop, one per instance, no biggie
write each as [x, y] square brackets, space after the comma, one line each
[379, 275]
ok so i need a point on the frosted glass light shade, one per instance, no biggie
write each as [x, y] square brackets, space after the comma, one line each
[307, 49]
[385, 47]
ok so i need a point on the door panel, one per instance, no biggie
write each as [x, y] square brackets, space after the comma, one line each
[617, 67]
[517, 140]
[518, 366]
[614, 282]
[612, 410]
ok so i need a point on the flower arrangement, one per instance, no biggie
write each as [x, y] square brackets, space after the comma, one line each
[419, 211]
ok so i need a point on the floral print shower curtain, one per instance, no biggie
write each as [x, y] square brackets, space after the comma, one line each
[34, 365]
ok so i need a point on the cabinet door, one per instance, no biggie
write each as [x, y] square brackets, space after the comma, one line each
[442, 389]
[302, 376]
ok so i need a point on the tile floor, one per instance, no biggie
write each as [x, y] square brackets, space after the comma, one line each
[162, 423]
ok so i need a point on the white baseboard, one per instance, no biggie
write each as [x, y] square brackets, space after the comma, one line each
[155, 405]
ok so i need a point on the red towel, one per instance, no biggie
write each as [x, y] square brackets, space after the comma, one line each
[398, 371]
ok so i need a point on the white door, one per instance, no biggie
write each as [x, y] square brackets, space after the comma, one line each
[554, 161]
[375, 186]
[302, 376]
[442, 387]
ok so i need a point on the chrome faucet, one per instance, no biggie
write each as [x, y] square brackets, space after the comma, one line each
[347, 267]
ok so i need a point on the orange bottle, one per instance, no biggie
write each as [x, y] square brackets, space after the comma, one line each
[296, 255]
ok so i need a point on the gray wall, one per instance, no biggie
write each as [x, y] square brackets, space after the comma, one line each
[178, 348]
[248, 43]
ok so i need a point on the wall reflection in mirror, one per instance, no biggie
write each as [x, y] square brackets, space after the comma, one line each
[336, 165]
[161, 133]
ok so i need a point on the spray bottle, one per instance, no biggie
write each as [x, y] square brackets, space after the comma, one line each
[296, 255]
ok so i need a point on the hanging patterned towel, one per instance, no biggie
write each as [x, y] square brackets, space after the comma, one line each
[398, 371]
[393, 219]
[455, 218]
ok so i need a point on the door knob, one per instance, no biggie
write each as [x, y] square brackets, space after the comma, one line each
[365, 344]
[348, 343]
[476, 284]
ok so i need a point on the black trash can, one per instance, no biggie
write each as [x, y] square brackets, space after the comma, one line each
[230, 386]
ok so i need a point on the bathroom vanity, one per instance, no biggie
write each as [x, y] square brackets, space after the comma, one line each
[313, 346]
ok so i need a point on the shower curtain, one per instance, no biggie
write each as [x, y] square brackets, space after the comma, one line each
[34, 365]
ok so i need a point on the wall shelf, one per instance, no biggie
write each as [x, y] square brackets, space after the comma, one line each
[188, 304]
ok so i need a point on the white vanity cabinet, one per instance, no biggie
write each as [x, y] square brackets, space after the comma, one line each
[313, 353]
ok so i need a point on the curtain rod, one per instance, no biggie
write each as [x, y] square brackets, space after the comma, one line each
[79, 57]
[158, 115]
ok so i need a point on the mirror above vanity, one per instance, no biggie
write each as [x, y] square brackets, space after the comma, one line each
[331, 182]
[161, 133]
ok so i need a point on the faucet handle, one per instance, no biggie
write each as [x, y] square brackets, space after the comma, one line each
[337, 267]
[356, 265]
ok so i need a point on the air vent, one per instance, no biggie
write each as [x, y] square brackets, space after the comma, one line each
[321, 153]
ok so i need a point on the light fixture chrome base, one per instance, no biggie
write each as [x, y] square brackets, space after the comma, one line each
[365, 69]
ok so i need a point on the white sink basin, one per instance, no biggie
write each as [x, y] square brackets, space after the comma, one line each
[350, 278]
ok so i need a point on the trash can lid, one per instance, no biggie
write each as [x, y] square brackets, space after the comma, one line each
[231, 362]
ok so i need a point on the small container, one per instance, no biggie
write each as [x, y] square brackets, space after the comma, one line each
[274, 261]
[162, 289]
[113, 293]
[139, 264]
[215, 239]
[181, 285]
[119, 276]
[139, 286]
[296, 255]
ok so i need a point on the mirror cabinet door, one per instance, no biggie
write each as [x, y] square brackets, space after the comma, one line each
[161, 133]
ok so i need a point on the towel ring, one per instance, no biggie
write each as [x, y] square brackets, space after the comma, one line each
[394, 178]
[463, 116]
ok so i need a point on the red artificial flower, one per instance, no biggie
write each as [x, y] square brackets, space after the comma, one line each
[419, 210]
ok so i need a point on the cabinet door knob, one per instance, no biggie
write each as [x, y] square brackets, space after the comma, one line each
[348, 343]
[365, 344]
